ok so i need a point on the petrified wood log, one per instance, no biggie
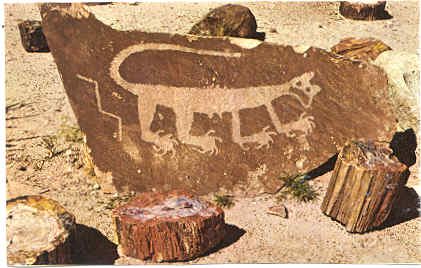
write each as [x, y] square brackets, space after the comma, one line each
[366, 49]
[38, 231]
[32, 37]
[209, 113]
[168, 227]
[364, 10]
[364, 184]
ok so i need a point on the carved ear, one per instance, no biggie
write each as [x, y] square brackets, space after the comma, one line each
[311, 75]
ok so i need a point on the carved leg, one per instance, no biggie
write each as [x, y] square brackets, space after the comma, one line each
[163, 144]
[274, 117]
[205, 144]
[236, 134]
[263, 138]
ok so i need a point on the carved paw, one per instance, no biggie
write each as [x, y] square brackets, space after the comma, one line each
[308, 124]
[165, 144]
[207, 143]
[264, 138]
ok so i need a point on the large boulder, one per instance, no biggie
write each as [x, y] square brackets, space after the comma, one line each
[164, 111]
[227, 20]
[402, 69]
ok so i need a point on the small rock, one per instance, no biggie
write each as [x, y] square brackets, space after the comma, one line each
[32, 37]
[22, 168]
[280, 211]
[96, 186]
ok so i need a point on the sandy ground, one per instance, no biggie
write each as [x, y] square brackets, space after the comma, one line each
[37, 106]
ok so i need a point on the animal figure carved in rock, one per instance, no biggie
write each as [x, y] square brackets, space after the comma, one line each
[187, 100]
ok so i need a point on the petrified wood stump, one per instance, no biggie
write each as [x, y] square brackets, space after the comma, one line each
[170, 111]
[364, 184]
[168, 227]
[366, 49]
[38, 231]
[364, 10]
[32, 37]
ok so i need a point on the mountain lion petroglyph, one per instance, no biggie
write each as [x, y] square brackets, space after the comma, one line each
[186, 101]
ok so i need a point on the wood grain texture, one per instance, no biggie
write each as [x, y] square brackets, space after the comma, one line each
[364, 184]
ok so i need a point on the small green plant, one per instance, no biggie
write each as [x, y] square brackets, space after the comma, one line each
[225, 201]
[50, 144]
[71, 133]
[298, 188]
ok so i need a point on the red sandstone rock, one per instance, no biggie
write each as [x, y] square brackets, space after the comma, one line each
[168, 227]
[280, 211]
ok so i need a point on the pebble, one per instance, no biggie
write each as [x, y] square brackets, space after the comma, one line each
[280, 211]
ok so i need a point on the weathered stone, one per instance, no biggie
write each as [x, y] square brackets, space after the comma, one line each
[280, 211]
[402, 69]
[364, 10]
[168, 227]
[38, 231]
[227, 20]
[366, 49]
[32, 37]
[164, 111]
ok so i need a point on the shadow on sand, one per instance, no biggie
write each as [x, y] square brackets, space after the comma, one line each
[91, 247]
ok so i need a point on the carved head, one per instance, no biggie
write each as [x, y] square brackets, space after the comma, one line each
[302, 83]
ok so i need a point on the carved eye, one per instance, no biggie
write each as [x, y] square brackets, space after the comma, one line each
[308, 89]
[298, 84]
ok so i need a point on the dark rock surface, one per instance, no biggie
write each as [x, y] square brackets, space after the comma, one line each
[227, 20]
[164, 111]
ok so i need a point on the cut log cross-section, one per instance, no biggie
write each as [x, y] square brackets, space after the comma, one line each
[168, 227]
[364, 10]
[38, 231]
[364, 184]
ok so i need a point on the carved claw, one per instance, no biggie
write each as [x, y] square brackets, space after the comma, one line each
[165, 144]
[309, 124]
[208, 143]
[245, 148]
[265, 138]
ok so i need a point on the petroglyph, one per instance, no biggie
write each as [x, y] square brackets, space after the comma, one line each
[118, 135]
[186, 101]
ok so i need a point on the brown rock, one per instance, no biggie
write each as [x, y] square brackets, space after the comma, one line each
[168, 227]
[38, 231]
[227, 20]
[32, 37]
[167, 111]
[363, 10]
[280, 211]
[366, 49]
